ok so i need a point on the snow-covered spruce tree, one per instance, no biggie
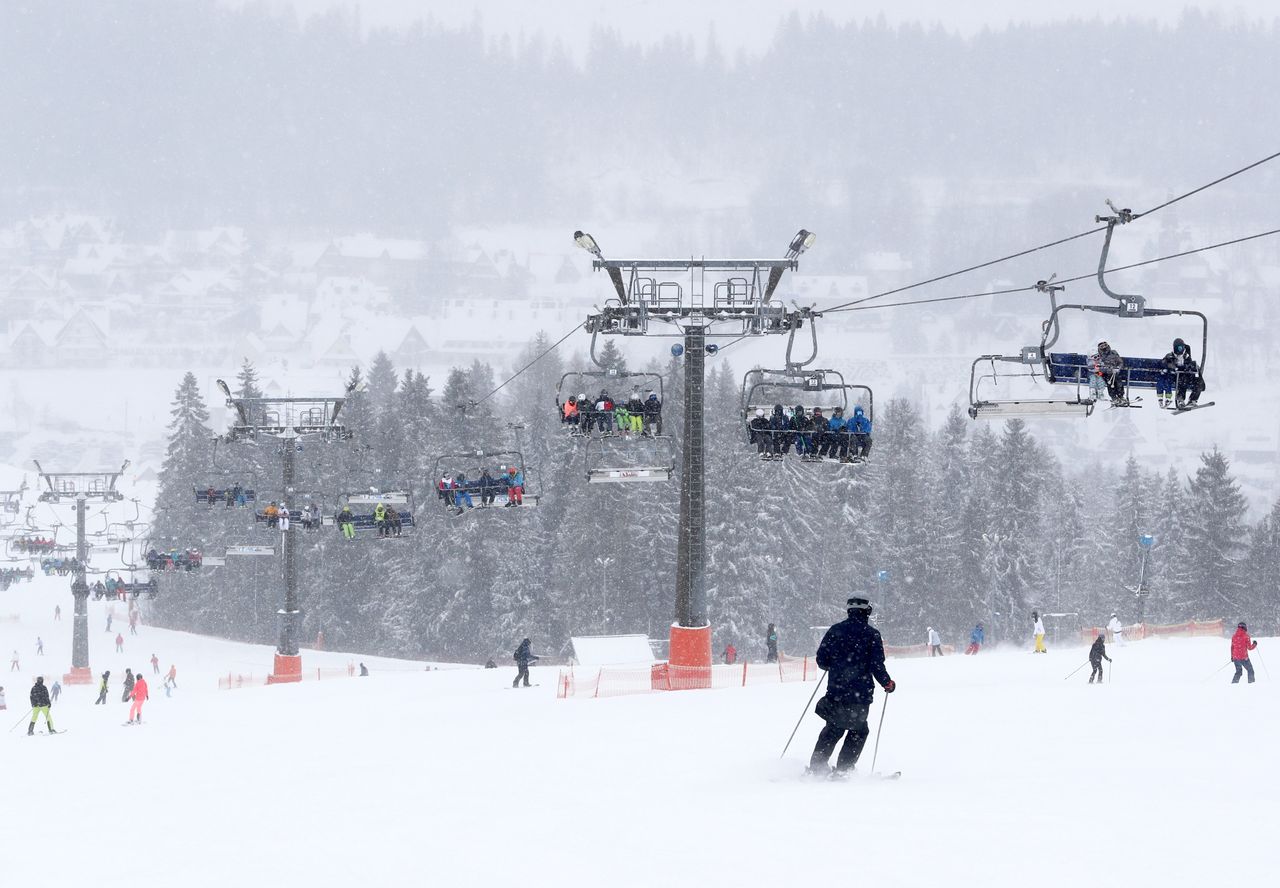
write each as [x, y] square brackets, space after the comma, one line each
[1263, 577]
[248, 386]
[946, 569]
[1017, 582]
[1170, 582]
[1216, 539]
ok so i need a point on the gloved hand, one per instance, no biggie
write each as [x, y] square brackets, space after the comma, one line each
[890, 687]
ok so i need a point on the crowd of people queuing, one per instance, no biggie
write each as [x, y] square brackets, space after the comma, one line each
[459, 492]
[1178, 384]
[638, 415]
[815, 437]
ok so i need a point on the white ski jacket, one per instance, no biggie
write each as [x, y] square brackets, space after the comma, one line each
[1039, 628]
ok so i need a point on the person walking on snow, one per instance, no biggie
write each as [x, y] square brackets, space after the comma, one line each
[155, 665]
[102, 688]
[1116, 630]
[56, 691]
[1098, 653]
[1241, 644]
[976, 638]
[852, 653]
[128, 686]
[523, 657]
[39, 646]
[1038, 631]
[935, 642]
[771, 644]
[119, 643]
[14, 665]
[109, 618]
[139, 696]
[40, 706]
[172, 677]
[57, 612]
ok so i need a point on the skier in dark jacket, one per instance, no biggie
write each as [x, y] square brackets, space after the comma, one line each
[852, 653]
[523, 657]
[1097, 654]
[40, 706]
[128, 686]
[488, 487]
[779, 435]
[652, 415]
[1186, 383]
[759, 435]
[771, 644]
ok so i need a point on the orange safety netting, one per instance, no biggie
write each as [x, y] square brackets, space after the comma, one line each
[233, 680]
[914, 650]
[616, 681]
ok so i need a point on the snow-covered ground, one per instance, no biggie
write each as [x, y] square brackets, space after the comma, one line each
[1013, 775]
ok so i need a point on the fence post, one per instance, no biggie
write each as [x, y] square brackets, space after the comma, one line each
[599, 675]
[744, 673]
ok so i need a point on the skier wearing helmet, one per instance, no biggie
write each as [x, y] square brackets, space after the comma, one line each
[758, 433]
[1107, 367]
[837, 438]
[652, 415]
[1241, 644]
[1185, 379]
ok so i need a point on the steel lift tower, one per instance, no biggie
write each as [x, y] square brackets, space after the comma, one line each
[80, 487]
[695, 300]
[291, 421]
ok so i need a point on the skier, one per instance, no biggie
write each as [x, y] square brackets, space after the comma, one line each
[1116, 630]
[139, 696]
[284, 518]
[347, 522]
[380, 519]
[1108, 368]
[3, 706]
[364, 671]
[1185, 377]
[860, 427]
[1241, 644]
[102, 688]
[14, 665]
[57, 612]
[976, 637]
[155, 665]
[119, 643]
[771, 644]
[128, 686]
[523, 657]
[1038, 630]
[40, 706]
[652, 415]
[852, 653]
[515, 487]
[488, 487]
[172, 677]
[758, 433]
[133, 622]
[56, 690]
[39, 646]
[935, 642]
[109, 618]
[730, 654]
[1097, 654]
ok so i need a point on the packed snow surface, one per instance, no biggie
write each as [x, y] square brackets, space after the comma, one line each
[1012, 775]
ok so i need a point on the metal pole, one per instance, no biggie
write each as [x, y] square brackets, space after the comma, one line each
[691, 592]
[289, 614]
[80, 594]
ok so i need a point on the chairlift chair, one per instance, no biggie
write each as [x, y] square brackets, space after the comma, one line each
[615, 460]
[364, 504]
[449, 465]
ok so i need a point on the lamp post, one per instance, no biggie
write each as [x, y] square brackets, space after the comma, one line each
[604, 562]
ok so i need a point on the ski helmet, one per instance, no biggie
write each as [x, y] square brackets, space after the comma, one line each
[759, 411]
[1241, 625]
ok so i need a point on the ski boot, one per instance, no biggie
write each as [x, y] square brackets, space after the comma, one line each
[31, 729]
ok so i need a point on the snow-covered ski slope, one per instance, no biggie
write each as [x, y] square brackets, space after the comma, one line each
[1013, 776]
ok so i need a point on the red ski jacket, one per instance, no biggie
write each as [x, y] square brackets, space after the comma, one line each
[140, 689]
[1241, 645]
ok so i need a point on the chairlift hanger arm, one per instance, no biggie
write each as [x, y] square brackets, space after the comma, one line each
[1131, 303]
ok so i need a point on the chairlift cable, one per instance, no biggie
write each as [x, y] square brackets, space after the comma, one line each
[542, 355]
[845, 305]
[1092, 274]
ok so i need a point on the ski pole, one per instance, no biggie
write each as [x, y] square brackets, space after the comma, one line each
[875, 753]
[21, 720]
[821, 679]
[1111, 665]
[1216, 671]
[1077, 669]
[1264, 665]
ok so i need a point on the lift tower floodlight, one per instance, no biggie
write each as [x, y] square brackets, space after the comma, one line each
[80, 487]
[694, 299]
[289, 420]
